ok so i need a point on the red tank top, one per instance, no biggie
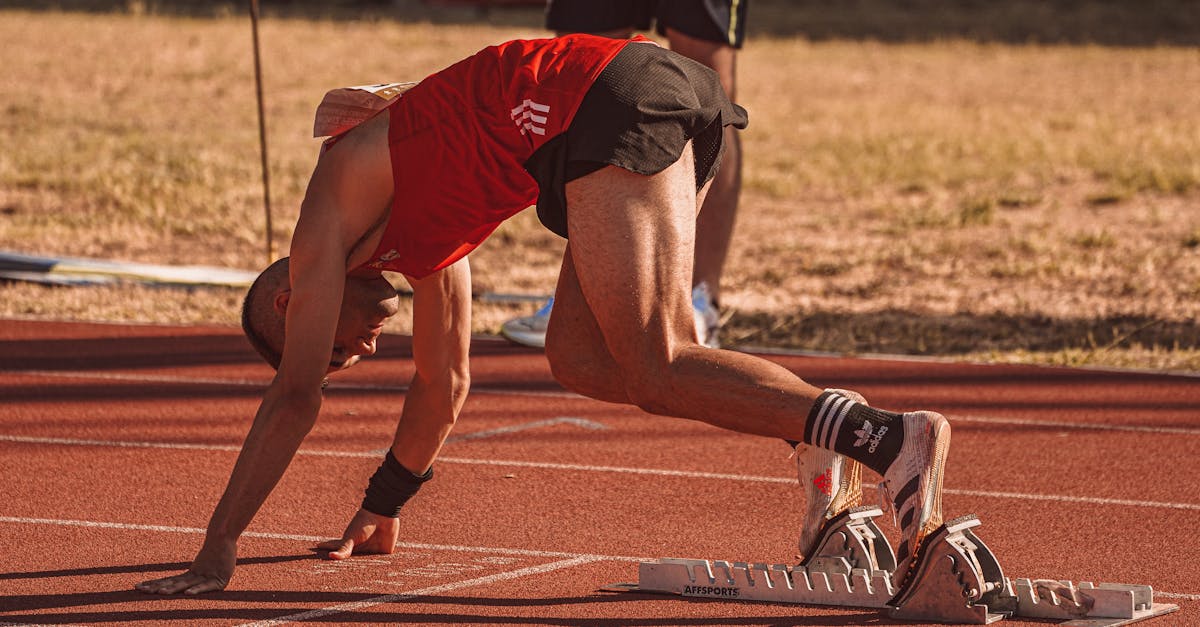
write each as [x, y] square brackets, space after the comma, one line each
[460, 138]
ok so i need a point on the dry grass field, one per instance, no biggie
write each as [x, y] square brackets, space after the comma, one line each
[953, 196]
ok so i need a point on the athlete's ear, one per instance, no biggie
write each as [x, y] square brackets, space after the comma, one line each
[281, 300]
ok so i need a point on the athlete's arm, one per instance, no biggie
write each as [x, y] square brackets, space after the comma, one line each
[348, 175]
[441, 339]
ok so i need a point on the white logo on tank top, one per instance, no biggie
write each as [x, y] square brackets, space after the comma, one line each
[527, 116]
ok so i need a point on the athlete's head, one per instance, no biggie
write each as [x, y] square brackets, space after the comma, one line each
[366, 304]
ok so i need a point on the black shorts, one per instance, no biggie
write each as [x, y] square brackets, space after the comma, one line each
[641, 112]
[721, 21]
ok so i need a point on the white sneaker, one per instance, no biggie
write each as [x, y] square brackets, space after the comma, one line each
[708, 319]
[912, 485]
[832, 484]
[529, 330]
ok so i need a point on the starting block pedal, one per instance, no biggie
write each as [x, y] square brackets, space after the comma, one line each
[957, 579]
[854, 536]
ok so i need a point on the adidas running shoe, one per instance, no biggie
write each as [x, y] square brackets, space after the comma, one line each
[706, 316]
[912, 485]
[832, 484]
[529, 330]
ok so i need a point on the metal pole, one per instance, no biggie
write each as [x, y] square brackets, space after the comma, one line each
[262, 131]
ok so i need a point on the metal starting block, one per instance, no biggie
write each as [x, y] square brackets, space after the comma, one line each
[957, 579]
[762, 582]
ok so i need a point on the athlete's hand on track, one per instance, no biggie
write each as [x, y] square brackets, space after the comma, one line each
[210, 571]
[366, 533]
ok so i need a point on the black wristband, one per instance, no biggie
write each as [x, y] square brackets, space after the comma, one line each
[391, 486]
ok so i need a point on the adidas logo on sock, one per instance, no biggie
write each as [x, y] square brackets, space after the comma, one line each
[868, 434]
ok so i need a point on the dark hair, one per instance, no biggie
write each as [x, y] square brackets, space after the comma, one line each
[263, 326]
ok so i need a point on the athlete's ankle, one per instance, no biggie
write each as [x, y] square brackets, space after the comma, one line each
[863, 433]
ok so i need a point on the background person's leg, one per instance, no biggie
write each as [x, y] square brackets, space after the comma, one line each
[714, 226]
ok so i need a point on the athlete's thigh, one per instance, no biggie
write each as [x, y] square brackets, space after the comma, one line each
[632, 239]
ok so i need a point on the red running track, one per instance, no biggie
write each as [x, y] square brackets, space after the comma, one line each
[116, 441]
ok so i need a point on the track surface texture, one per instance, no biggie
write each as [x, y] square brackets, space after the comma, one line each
[116, 441]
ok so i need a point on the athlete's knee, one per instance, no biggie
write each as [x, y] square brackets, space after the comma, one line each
[568, 363]
[582, 372]
[576, 380]
[649, 396]
[634, 386]
[565, 365]
[650, 387]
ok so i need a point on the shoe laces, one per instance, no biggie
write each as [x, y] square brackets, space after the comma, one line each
[886, 503]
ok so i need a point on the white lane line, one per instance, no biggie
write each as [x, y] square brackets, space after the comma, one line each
[406, 596]
[137, 378]
[792, 480]
[38, 625]
[262, 383]
[1065, 498]
[136, 527]
[23, 520]
[1177, 595]
[657, 472]
[489, 433]
[185, 446]
[756, 349]
[1083, 426]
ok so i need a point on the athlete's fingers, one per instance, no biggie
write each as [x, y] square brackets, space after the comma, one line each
[209, 584]
[154, 585]
[168, 585]
[146, 586]
[343, 549]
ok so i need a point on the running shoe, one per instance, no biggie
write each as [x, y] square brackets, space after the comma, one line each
[912, 485]
[531, 330]
[707, 317]
[832, 484]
